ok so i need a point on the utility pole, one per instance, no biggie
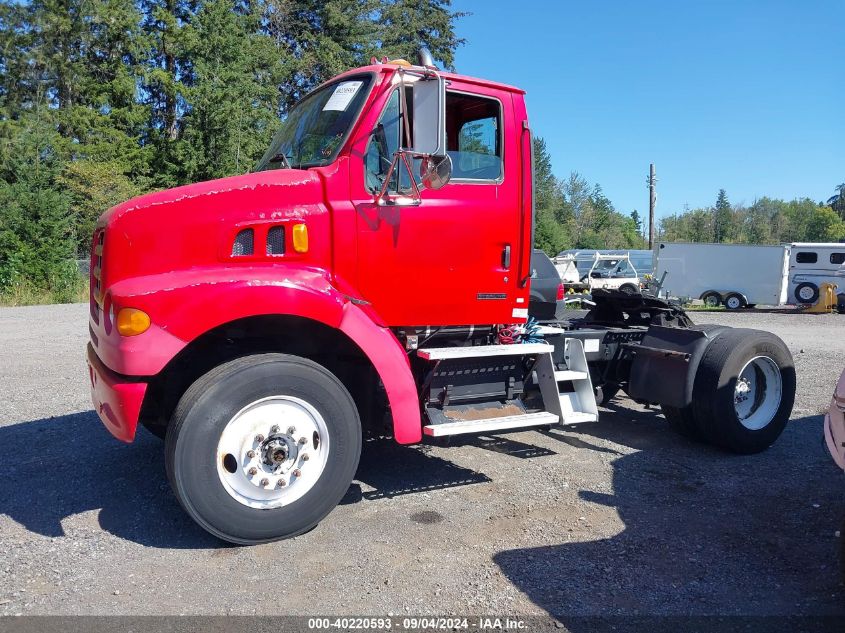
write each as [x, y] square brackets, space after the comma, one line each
[652, 181]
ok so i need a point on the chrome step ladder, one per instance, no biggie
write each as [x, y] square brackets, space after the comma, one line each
[567, 393]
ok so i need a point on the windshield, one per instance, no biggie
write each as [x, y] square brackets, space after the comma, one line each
[314, 130]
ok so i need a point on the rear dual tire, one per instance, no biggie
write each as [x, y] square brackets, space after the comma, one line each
[220, 457]
[743, 392]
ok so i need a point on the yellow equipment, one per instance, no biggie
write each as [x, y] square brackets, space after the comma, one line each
[827, 300]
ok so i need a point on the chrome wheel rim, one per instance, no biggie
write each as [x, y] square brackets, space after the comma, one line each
[272, 452]
[806, 293]
[733, 303]
[711, 301]
[758, 392]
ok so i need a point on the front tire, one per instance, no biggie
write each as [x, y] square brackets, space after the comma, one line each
[629, 289]
[248, 484]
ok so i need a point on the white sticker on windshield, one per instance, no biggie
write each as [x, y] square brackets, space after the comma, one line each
[342, 95]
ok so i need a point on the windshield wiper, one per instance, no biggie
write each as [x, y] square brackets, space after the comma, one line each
[281, 158]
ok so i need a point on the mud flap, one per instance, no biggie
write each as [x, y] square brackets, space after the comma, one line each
[665, 363]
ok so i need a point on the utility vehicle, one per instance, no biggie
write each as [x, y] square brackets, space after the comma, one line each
[372, 277]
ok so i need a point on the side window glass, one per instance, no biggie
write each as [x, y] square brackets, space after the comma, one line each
[473, 136]
[806, 258]
[837, 258]
[384, 141]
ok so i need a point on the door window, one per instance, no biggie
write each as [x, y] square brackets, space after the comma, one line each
[473, 136]
[384, 142]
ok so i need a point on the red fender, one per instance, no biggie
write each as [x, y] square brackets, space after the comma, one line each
[393, 367]
[196, 301]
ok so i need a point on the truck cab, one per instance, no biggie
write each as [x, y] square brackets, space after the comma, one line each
[371, 276]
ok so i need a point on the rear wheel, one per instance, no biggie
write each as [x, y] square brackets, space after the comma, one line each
[744, 390]
[263, 447]
[734, 301]
[682, 420]
[629, 289]
[712, 299]
[840, 303]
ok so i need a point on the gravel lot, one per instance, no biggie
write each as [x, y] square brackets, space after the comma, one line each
[616, 517]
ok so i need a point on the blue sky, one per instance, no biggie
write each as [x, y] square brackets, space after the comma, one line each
[743, 95]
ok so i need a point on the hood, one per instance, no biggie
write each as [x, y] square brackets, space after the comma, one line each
[260, 183]
[195, 225]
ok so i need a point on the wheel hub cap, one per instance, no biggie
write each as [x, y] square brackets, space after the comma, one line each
[272, 452]
[758, 392]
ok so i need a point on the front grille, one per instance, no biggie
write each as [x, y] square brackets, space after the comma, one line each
[244, 243]
[276, 241]
[97, 246]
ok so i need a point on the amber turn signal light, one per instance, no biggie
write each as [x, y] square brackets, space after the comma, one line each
[300, 238]
[131, 321]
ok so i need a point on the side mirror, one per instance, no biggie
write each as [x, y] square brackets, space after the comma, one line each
[435, 171]
[429, 125]
[429, 142]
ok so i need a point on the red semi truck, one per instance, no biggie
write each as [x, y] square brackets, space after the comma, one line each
[371, 277]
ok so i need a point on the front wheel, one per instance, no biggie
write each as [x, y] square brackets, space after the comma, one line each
[629, 289]
[263, 447]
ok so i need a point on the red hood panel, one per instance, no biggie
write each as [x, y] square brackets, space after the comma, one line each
[232, 185]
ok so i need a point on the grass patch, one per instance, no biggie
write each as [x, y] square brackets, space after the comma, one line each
[23, 293]
[693, 308]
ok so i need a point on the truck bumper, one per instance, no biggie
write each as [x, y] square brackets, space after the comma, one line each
[116, 399]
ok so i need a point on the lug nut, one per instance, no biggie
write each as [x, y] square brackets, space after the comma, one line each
[291, 430]
[250, 454]
[259, 438]
[281, 483]
[297, 473]
[305, 457]
[253, 470]
[265, 481]
[274, 428]
[303, 440]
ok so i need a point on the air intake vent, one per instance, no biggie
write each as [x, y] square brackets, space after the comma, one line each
[244, 242]
[276, 241]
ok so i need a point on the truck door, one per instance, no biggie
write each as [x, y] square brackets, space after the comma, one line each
[452, 259]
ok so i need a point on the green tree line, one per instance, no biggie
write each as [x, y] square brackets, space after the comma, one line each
[101, 100]
[765, 221]
[572, 213]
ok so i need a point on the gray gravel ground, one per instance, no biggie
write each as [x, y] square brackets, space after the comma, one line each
[616, 517]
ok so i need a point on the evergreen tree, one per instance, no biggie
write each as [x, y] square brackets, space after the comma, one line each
[233, 98]
[409, 24]
[723, 222]
[549, 234]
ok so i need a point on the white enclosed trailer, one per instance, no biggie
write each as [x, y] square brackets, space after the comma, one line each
[735, 275]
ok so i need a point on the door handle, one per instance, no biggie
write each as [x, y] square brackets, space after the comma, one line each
[506, 257]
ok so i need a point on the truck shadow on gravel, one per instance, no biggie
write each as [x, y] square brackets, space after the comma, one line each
[59, 467]
[704, 532]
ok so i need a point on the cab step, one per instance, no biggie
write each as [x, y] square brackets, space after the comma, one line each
[509, 422]
[571, 375]
[483, 351]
